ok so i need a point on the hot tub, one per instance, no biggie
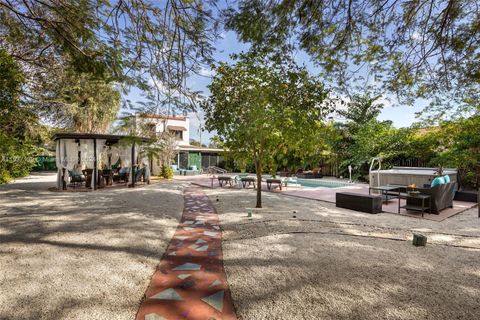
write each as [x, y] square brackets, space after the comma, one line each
[407, 176]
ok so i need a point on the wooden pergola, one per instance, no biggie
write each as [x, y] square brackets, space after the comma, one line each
[109, 141]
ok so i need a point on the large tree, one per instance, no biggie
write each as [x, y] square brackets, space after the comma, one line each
[260, 107]
[417, 49]
[148, 44]
[16, 124]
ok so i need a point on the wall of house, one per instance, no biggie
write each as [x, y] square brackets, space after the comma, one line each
[162, 123]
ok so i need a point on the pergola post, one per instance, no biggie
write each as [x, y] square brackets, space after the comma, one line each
[94, 164]
[133, 165]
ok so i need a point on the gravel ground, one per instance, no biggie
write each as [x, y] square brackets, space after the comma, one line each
[84, 255]
[330, 263]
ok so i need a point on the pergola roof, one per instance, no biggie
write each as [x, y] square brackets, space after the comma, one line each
[111, 138]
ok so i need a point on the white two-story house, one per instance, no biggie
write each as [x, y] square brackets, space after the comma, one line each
[188, 157]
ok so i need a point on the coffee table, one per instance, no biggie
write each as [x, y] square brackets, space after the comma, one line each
[386, 191]
[412, 207]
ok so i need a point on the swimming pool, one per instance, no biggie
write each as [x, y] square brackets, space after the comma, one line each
[320, 183]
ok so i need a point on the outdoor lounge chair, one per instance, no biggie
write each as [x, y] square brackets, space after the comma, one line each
[226, 179]
[441, 196]
[250, 180]
[276, 181]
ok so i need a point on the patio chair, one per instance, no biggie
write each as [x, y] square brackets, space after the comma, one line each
[122, 175]
[76, 177]
[141, 175]
[88, 173]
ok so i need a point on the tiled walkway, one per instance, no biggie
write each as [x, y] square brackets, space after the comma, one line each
[190, 281]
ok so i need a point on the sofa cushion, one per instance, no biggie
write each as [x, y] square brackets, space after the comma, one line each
[437, 181]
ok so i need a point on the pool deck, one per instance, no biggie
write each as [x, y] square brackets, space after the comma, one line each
[328, 195]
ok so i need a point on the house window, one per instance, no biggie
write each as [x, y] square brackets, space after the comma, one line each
[178, 134]
[151, 128]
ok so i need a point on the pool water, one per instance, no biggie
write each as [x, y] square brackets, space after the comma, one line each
[317, 183]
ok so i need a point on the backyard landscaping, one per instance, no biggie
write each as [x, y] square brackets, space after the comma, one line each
[239, 160]
[306, 259]
[81, 255]
[91, 255]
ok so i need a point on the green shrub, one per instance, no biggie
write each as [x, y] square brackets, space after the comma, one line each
[167, 172]
[16, 158]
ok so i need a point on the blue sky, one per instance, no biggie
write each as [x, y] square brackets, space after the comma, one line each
[402, 116]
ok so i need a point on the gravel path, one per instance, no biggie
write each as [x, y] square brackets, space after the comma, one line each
[85, 255]
[330, 263]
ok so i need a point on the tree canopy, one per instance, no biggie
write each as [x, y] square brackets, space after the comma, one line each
[261, 107]
[416, 49]
[150, 45]
[16, 123]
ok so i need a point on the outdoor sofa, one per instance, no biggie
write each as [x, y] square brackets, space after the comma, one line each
[441, 196]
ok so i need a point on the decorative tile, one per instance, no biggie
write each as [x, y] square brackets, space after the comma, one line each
[168, 294]
[188, 266]
[210, 233]
[154, 316]
[215, 300]
[215, 283]
[202, 248]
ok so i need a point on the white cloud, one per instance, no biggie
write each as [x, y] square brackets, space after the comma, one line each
[206, 72]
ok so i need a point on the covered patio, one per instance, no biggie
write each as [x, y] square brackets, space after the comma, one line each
[92, 161]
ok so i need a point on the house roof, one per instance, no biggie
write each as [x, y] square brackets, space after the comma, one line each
[176, 128]
[197, 148]
[156, 116]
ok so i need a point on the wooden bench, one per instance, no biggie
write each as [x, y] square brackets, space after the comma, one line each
[271, 181]
[359, 202]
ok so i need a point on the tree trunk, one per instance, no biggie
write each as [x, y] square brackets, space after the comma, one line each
[258, 168]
